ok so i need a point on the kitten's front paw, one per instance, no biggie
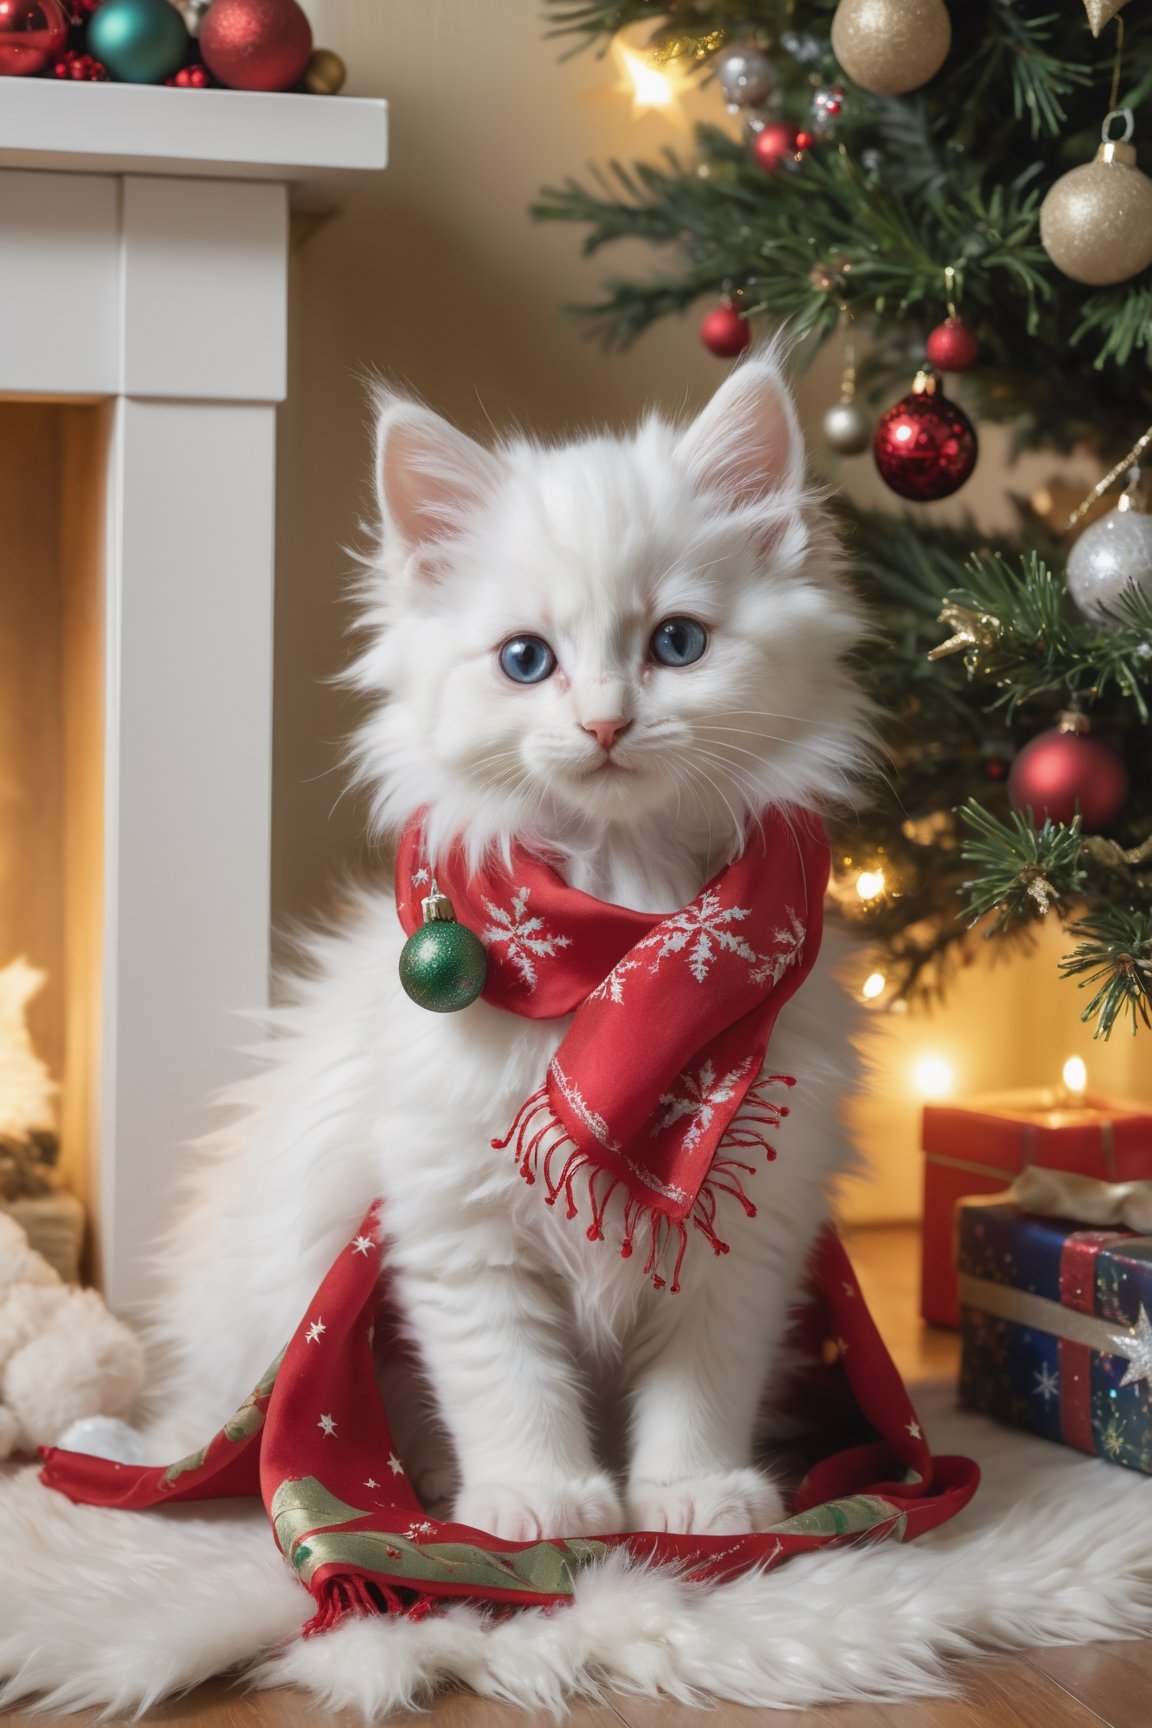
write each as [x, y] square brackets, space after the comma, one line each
[730, 1503]
[531, 1512]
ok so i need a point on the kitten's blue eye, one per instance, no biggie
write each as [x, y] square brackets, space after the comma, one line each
[527, 660]
[678, 642]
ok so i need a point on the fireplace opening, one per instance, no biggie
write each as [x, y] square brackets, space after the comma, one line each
[52, 530]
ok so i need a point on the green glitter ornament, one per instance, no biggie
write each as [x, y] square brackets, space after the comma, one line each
[443, 965]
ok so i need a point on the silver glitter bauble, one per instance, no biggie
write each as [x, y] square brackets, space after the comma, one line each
[1113, 555]
[847, 429]
[1096, 222]
[747, 77]
[891, 46]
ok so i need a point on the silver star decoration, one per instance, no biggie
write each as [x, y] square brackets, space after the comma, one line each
[327, 1424]
[1047, 1384]
[362, 1244]
[1136, 1344]
[395, 1465]
[915, 1430]
[316, 1331]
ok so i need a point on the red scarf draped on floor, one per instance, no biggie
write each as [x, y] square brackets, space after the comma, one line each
[658, 1084]
[313, 1441]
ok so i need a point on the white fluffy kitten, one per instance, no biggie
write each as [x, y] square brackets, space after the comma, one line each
[536, 1342]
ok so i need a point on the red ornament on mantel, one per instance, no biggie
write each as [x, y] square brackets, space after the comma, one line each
[953, 346]
[1066, 770]
[725, 331]
[256, 44]
[33, 33]
[925, 446]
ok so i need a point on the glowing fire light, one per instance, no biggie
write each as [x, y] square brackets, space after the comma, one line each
[934, 1077]
[874, 985]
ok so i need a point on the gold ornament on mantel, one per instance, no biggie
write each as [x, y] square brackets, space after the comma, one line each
[889, 47]
[325, 73]
[1096, 222]
[1101, 12]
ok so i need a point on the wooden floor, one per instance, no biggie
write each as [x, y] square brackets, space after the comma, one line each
[1082, 1687]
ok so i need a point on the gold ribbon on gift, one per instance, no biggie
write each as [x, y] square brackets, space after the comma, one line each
[1040, 1314]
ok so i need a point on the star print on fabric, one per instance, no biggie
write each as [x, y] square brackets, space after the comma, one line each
[915, 1430]
[395, 1465]
[316, 1331]
[1136, 1344]
[415, 1531]
[328, 1425]
[362, 1244]
[842, 1346]
[849, 1289]
[371, 1482]
[1047, 1384]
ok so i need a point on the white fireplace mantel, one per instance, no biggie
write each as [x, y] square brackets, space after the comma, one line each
[143, 272]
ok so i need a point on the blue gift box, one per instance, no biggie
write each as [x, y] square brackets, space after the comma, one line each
[1055, 1329]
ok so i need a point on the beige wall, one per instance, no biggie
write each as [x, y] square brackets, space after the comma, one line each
[434, 274]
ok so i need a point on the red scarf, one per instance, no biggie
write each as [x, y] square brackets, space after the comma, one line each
[658, 1084]
[313, 1440]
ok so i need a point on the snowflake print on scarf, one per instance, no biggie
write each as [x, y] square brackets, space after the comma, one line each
[524, 937]
[702, 932]
[701, 1093]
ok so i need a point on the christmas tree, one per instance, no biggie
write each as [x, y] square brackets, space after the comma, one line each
[953, 187]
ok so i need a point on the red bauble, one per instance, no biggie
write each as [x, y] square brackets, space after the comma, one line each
[33, 33]
[952, 346]
[1061, 772]
[725, 331]
[774, 144]
[925, 446]
[256, 44]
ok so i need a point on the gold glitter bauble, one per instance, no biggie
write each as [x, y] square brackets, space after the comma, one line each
[1101, 12]
[891, 46]
[326, 73]
[1096, 222]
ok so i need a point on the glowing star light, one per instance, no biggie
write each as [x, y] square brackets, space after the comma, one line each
[653, 89]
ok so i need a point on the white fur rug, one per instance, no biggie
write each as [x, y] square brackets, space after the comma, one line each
[121, 1609]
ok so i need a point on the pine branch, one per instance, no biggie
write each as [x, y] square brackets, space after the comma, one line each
[1017, 629]
[1114, 959]
[1024, 870]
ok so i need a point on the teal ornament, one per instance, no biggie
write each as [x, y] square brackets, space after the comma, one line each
[443, 965]
[140, 41]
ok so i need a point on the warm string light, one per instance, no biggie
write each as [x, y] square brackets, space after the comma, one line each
[870, 884]
[873, 986]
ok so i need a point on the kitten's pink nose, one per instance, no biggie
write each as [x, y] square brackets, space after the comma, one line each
[606, 732]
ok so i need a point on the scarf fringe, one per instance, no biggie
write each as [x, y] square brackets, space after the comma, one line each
[539, 1140]
[341, 1598]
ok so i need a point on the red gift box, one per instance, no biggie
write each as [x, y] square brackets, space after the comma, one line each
[980, 1147]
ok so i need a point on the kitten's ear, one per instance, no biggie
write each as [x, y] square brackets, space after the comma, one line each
[430, 478]
[747, 443]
